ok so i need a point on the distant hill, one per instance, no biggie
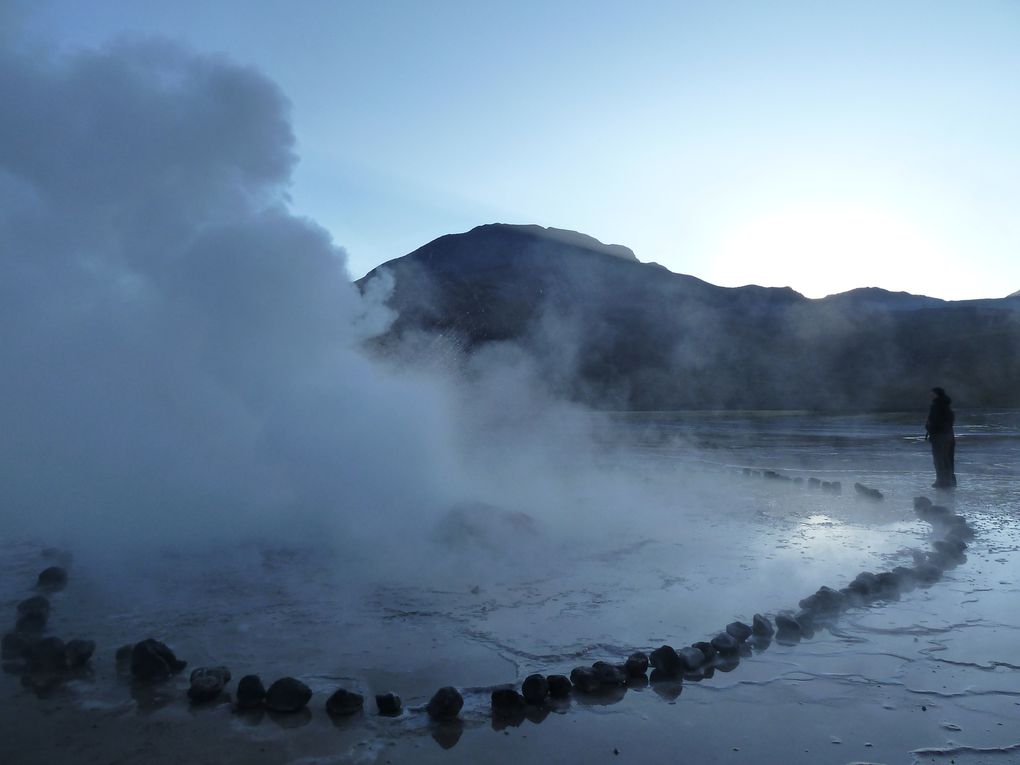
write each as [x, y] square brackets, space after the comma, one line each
[611, 331]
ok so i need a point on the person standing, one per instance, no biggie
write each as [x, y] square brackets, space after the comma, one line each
[939, 430]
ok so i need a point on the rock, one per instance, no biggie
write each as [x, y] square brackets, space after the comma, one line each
[31, 624]
[508, 703]
[738, 631]
[535, 689]
[14, 646]
[37, 605]
[207, 683]
[609, 674]
[287, 695]
[787, 626]
[761, 627]
[52, 578]
[445, 704]
[220, 672]
[559, 686]
[123, 658]
[825, 601]
[927, 573]
[865, 583]
[806, 620]
[814, 483]
[47, 655]
[344, 703]
[636, 664]
[954, 547]
[250, 692]
[152, 660]
[388, 704]
[691, 658]
[205, 688]
[585, 679]
[79, 652]
[868, 492]
[665, 660]
[888, 583]
[725, 644]
[706, 648]
[922, 503]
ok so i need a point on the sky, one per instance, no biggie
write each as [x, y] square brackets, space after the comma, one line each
[821, 146]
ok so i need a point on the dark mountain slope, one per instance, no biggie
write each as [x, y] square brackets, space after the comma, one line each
[615, 332]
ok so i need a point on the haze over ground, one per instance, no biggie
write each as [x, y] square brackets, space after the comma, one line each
[818, 146]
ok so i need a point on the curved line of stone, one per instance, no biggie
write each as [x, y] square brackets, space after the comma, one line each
[48, 660]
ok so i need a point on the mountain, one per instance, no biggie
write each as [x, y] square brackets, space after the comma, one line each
[613, 332]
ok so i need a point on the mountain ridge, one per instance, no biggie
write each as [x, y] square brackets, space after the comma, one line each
[643, 337]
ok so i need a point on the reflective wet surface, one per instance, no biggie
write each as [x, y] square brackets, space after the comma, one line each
[931, 675]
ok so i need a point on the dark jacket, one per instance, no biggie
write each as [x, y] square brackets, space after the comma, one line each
[940, 416]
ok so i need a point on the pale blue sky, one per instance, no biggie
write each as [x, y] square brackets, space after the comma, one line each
[818, 145]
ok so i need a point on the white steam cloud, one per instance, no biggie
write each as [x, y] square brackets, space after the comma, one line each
[179, 349]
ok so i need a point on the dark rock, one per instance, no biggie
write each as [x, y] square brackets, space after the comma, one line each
[738, 631]
[609, 674]
[344, 703]
[706, 648]
[814, 483]
[806, 620]
[250, 692]
[927, 572]
[207, 683]
[865, 583]
[534, 689]
[152, 660]
[508, 703]
[47, 655]
[123, 658]
[15, 646]
[79, 652]
[37, 604]
[559, 686]
[950, 547]
[691, 658]
[922, 503]
[31, 624]
[725, 644]
[205, 688]
[787, 626]
[388, 704]
[761, 627]
[636, 664]
[585, 679]
[219, 672]
[665, 660]
[825, 601]
[445, 704]
[888, 582]
[52, 578]
[868, 492]
[287, 695]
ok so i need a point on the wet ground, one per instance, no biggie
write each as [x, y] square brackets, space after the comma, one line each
[933, 676]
